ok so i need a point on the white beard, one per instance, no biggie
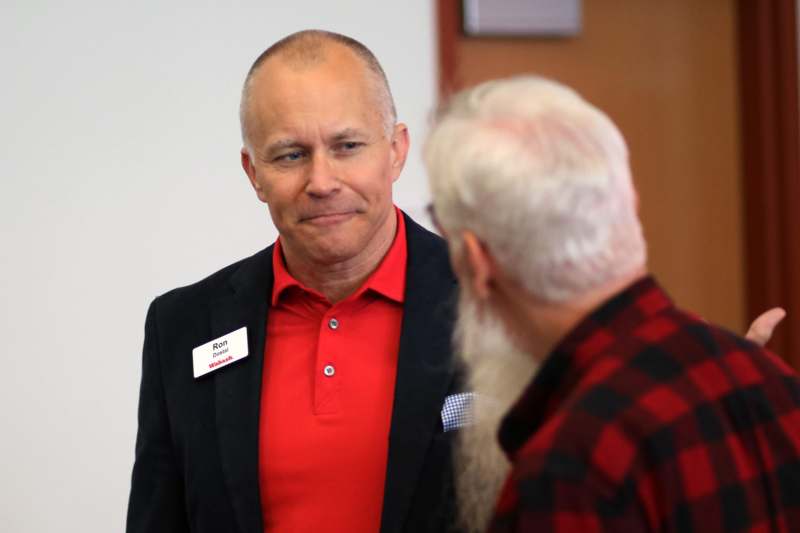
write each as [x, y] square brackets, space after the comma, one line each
[497, 371]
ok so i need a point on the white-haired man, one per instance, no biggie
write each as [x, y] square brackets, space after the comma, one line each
[640, 416]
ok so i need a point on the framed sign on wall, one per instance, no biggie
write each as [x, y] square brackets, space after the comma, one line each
[521, 18]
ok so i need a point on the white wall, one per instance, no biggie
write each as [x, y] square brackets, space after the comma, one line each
[120, 179]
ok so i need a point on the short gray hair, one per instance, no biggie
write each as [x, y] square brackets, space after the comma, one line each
[542, 177]
[308, 47]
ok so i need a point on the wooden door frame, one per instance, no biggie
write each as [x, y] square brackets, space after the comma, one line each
[770, 140]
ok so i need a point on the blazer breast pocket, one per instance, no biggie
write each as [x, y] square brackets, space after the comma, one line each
[457, 411]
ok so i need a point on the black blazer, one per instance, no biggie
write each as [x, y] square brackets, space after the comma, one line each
[196, 466]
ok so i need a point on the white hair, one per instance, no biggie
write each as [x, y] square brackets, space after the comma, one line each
[542, 177]
[497, 371]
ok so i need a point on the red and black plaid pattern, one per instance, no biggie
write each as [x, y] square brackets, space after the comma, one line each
[645, 418]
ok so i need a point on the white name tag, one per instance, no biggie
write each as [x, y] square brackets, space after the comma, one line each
[220, 352]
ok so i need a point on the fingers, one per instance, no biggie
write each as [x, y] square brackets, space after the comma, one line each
[762, 327]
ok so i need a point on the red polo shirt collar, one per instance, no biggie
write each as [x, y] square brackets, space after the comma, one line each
[388, 279]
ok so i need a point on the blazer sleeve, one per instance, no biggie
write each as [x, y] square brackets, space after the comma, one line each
[157, 493]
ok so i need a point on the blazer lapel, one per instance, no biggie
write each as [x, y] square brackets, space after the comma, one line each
[424, 370]
[238, 386]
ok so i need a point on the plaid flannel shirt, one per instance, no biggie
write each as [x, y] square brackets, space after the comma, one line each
[645, 418]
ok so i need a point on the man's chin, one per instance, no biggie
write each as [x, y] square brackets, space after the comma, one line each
[330, 245]
[497, 371]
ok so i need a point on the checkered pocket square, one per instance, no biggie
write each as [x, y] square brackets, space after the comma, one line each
[457, 411]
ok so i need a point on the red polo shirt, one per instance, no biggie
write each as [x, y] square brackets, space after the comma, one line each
[326, 399]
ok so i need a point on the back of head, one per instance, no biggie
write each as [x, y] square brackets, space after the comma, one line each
[542, 177]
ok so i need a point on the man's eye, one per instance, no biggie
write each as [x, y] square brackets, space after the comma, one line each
[291, 156]
[349, 146]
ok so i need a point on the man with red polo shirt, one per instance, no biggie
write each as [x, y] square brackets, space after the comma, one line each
[309, 387]
[641, 417]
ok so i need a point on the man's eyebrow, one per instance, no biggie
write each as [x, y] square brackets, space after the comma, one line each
[283, 143]
[347, 133]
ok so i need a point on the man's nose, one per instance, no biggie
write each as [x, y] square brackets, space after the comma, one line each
[322, 179]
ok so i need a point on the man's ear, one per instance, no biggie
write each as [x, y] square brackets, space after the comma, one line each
[400, 144]
[479, 265]
[250, 170]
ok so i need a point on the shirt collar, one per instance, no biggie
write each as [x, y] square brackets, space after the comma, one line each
[562, 369]
[388, 280]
